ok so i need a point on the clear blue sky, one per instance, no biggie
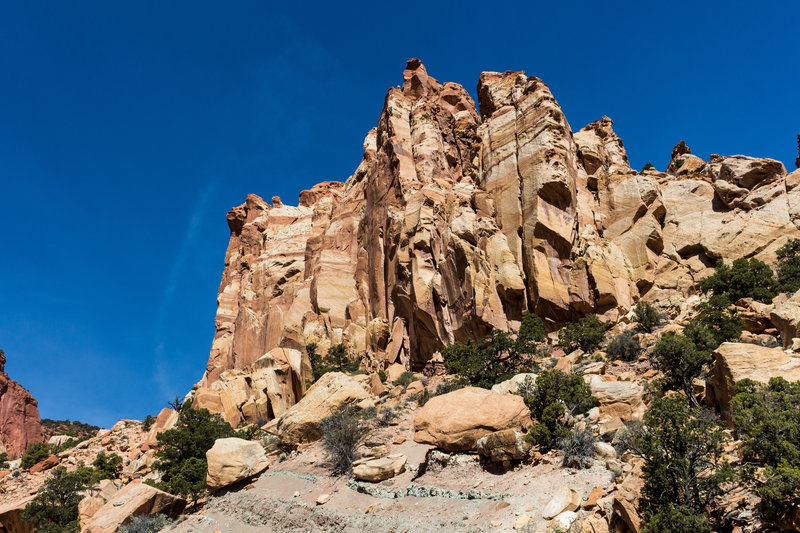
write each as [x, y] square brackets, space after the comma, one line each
[129, 129]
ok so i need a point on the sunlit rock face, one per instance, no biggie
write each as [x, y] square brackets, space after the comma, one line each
[457, 220]
[19, 415]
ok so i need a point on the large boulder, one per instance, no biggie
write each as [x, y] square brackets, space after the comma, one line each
[135, 499]
[621, 399]
[456, 420]
[11, 517]
[734, 361]
[232, 460]
[786, 317]
[300, 423]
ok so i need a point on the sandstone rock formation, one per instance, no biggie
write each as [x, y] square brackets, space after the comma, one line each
[786, 317]
[735, 361]
[456, 420]
[301, 423]
[456, 221]
[19, 415]
[133, 500]
[232, 460]
[11, 516]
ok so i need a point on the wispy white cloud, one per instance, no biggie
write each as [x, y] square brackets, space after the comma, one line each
[161, 368]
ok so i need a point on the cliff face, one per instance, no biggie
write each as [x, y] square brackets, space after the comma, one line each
[19, 415]
[456, 222]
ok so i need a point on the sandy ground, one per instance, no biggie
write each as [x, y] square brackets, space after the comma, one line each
[283, 499]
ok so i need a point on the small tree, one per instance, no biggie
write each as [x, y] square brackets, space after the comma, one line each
[36, 453]
[490, 360]
[789, 266]
[107, 466]
[684, 465]
[181, 456]
[624, 346]
[314, 358]
[745, 278]
[339, 360]
[721, 323]
[765, 417]
[149, 420]
[646, 317]
[405, 379]
[555, 394]
[531, 331]
[55, 507]
[586, 334]
[4, 461]
[681, 362]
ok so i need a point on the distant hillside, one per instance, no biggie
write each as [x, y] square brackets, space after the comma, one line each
[73, 428]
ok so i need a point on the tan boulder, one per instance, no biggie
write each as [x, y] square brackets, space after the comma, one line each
[504, 446]
[735, 361]
[626, 500]
[618, 399]
[394, 371]
[89, 506]
[565, 499]
[11, 516]
[301, 422]
[456, 420]
[786, 317]
[594, 523]
[511, 385]
[379, 469]
[133, 500]
[376, 386]
[231, 460]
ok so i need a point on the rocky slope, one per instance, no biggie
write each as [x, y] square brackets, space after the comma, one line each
[456, 221]
[19, 415]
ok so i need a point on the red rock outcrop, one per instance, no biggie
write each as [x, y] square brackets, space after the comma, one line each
[457, 221]
[19, 415]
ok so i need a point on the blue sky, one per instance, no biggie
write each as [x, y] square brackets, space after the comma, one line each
[129, 129]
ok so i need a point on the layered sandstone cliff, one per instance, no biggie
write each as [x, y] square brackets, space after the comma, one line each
[457, 221]
[19, 415]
